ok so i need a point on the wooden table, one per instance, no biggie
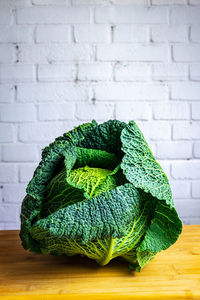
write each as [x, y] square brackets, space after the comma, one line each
[173, 274]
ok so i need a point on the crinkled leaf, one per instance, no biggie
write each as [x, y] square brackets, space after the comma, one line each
[140, 166]
[141, 169]
[105, 136]
[86, 220]
[90, 235]
[164, 229]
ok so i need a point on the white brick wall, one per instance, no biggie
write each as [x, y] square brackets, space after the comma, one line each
[94, 33]
[53, 33]
[195, 72]
[133, 52]
[169, 33]
[59, 72]
[131, 33]
[65, 62]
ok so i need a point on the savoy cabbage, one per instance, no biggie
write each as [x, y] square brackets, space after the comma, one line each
[98, 191]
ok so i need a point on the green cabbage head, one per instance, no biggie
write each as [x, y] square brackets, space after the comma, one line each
[98, 191]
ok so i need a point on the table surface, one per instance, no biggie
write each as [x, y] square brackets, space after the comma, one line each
[172, 274]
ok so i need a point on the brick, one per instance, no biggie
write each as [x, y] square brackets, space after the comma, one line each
[42, 53]
[130, 33]
[186, 131]
[98, 111]
[102, 14]
[17, 113]
[133, 111]
[188, 208]
[184, 91]
[174, 150]
[126, 91]
[92, 33]
[50, 2]
[58, 72]
[2, 226]
[52, 15]
[19, 153]
[131, 14]
[174, 111]
[184, 15]
[196, 189]
[168, 2]
[40, 132]
[14, 3]
[17, 73]
[9, 213]
[16, 34]
[180, 189]
[94, 71]
[7, 54]
[195, 33]
[186, 53]
[44, 92]
[5, 15]
[120, 2]
[6, 133]
[8, 173]
[196, 150]
[55, 111]
[169, 72]
[132, 71]
[195, 71]
[155, 131]
[6, 93]
[130, 52]
[186, 170]
[89, 2]
[167, 33]
[53, 33]
[13, 193]
[194, 2]
[196, 111]
[26, 172]
[10, 225]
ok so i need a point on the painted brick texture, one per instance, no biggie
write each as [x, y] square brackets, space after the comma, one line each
[65, 62]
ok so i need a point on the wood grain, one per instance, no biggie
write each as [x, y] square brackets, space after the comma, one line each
[173, 274]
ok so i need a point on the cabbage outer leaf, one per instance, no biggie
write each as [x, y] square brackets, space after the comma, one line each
[81, 228]
[142, 170]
